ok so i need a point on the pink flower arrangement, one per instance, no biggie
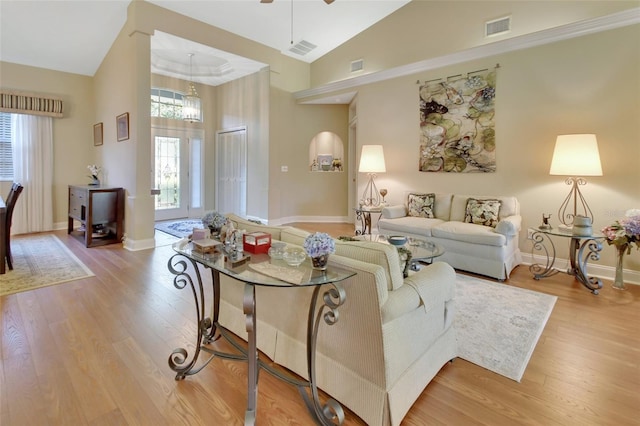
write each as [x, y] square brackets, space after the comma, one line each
[625, 232]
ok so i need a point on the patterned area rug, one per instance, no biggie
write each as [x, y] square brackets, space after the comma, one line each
[179, 228]
[498, 326]
[40, 260]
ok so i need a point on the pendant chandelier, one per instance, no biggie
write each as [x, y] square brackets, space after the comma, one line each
[191, 104]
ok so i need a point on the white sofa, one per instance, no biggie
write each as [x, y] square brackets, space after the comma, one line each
[481, 249]
[392, 337]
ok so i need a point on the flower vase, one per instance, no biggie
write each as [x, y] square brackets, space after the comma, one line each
[95, 182]
[618, 282]
[320, 262]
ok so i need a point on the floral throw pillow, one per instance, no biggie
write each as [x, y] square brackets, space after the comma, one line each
[482, 212]
[421, 205]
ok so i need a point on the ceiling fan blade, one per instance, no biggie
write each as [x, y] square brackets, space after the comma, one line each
[266, 1]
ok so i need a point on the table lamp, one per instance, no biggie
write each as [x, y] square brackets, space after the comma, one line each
[371, 162]
[575, 156]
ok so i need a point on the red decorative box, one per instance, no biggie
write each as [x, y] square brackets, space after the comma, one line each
[256, 242]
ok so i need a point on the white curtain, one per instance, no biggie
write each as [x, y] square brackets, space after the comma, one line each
[32, 146]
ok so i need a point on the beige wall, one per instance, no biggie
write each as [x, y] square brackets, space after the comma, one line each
[300, 194]
[589, 84]
[426, 29]
[72, 134]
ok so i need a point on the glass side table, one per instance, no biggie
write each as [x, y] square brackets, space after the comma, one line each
[581, 250]
[363, 214]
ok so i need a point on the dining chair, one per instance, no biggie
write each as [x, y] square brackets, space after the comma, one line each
[12, 199]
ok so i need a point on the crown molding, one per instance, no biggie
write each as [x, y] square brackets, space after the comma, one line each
[576, 29]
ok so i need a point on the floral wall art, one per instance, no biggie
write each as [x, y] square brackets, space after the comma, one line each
[457, 126]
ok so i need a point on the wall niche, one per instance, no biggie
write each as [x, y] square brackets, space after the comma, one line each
[326, 153]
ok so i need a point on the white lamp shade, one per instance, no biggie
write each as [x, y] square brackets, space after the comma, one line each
[576, 155]
[372, 159]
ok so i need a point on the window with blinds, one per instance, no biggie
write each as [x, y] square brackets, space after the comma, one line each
[6, 160]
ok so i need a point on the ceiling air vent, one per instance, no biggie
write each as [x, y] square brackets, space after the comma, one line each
[497, 26]
[302, 48]
[357, 65]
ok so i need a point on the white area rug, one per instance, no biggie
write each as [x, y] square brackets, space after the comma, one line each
[497, 325]
[40, 260]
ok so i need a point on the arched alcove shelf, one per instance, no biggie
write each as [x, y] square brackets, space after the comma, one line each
[326, 153]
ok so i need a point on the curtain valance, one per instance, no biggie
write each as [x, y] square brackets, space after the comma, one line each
[30, 103]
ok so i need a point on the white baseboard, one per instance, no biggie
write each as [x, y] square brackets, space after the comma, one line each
[593, 269]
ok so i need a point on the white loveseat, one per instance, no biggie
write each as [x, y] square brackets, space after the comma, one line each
[392, 337]
[487, 250]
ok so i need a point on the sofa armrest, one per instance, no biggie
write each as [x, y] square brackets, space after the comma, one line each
[509, 226]
[393, 212]
[431, 286]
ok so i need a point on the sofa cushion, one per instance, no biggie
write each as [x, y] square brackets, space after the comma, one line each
[381, 254]
[393, 212]
[408, 225]
[468, 233]
[509, 206]
[249, 226]
[482, 212]
[292, 235]
[421, 205]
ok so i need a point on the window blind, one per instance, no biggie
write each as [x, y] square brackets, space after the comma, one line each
[29, 103]
[6, 161]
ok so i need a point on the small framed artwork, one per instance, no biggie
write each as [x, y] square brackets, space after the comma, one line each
[122, 126]
[325, 161]
[97, 134]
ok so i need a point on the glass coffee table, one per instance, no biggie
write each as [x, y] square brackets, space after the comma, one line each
[418, 251]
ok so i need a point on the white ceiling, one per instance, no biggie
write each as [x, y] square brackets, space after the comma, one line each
[75, 35]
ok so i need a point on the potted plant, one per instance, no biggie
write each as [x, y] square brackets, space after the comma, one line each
[214, 221]
[319, 246]
[623, 234]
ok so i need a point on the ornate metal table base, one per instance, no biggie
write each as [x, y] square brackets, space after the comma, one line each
[330, 413]
[581, 250]
[364, 216]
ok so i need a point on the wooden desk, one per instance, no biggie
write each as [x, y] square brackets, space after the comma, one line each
[3, 238]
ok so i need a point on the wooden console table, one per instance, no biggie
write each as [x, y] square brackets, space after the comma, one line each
[100, 210]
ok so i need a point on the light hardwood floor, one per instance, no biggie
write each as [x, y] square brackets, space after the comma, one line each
[94, 352]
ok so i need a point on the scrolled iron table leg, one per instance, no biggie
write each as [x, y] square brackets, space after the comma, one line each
[249, 309]
[179, 360]
[542, 271]
[579, 260]
[360, 217]
[331, 412]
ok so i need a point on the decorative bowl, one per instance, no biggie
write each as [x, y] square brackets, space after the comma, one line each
[276, 251]
[397, 240]
[294, 256]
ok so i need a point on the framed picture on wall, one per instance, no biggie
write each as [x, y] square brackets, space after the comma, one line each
[97, 134]
[122, 126]
[324, 161]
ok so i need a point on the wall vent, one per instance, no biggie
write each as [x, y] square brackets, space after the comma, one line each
[357, 65]
[302, 48]
[497, 26]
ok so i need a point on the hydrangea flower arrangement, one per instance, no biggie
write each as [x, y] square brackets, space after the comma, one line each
[625, 232]
[213, 220]
[318, 244]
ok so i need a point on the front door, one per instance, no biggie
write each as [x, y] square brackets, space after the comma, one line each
[177, 173]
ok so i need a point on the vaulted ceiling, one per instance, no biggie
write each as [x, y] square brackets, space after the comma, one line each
[75, 35]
